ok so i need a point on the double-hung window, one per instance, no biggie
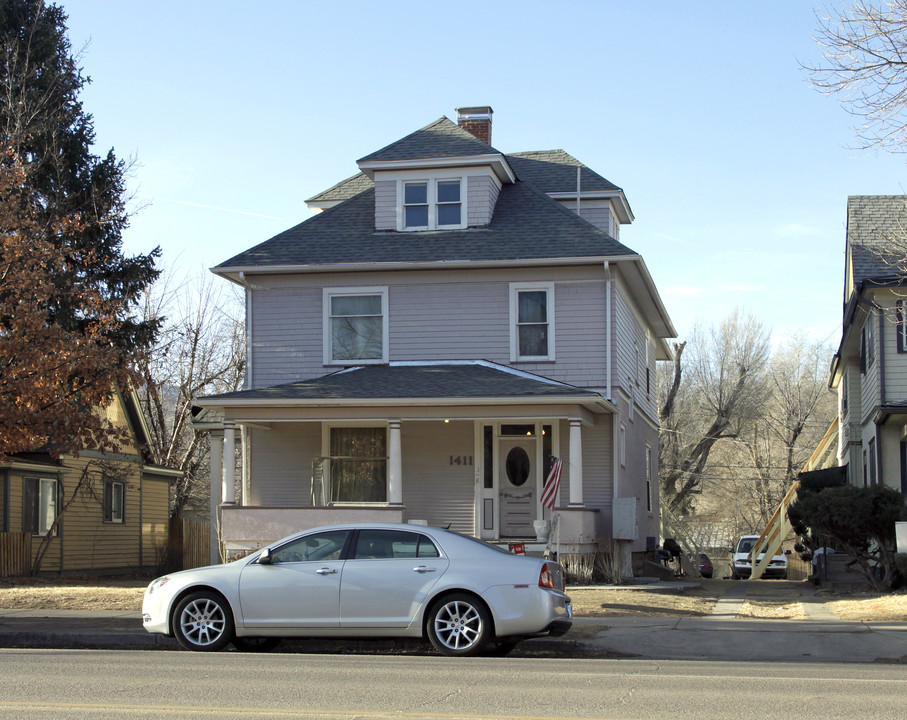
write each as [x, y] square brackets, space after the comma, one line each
[39, 505]
[358, 464]
[531, 321]
[114, 501]
[432, 204]
[355, 325]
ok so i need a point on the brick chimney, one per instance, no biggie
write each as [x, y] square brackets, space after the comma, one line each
[476, 120]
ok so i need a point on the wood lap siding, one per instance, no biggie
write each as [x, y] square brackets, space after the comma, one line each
[88, 542]
[459, 315]
[386, 205]
[434, 488]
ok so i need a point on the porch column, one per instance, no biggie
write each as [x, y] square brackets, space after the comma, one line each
[228, 489]
[215, 474]
[394, 464]
[576, 463]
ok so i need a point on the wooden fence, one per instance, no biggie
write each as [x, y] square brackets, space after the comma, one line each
[189, 543]
[15, 554]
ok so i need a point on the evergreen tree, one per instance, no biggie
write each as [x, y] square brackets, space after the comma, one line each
[74, 204]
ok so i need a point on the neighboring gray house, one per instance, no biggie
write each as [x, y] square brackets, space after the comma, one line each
[870, 367]
[422, 348]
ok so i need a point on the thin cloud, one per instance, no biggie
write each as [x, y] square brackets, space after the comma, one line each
[220, 209]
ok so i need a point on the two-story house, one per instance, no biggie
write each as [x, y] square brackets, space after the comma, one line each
[869, 369]
[419, 351]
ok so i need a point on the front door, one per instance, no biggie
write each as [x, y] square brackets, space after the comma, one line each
[517, 483]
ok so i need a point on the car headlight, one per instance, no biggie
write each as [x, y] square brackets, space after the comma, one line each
[157, 584]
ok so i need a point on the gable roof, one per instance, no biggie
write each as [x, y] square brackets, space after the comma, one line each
[440, 139]
[526, 225]
[469, 380]
[876, 237]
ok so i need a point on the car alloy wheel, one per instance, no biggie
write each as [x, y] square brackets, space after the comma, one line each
[203, 621]
[459, 625]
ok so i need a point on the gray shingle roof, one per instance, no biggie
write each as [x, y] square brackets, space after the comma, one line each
[402, 382]
[549, 170]
[555, 171]
[442, 138]
[345, 189]
[527, 225]
[876, 236]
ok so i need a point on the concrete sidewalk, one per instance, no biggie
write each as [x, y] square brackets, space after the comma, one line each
[822, 637]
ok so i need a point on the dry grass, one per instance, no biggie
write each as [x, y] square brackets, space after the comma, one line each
[771, 610]
[868, 607]
[71, 594]
[630, 601]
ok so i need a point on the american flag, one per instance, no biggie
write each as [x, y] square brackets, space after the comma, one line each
[552, 484]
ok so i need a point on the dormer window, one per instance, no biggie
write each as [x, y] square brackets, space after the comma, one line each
[432, 204]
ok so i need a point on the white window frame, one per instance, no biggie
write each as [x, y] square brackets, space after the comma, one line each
[330, 293]
[431, 180]
[326, 429]
[117, 502]
[515, 290]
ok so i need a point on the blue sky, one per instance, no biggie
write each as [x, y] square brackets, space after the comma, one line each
[736, 169]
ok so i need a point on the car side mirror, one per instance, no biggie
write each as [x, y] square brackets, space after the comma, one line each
[265, 557]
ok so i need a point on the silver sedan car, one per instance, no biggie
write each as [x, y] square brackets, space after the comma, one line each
[364, 580]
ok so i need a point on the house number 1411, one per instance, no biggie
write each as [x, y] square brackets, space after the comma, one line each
[461, 459]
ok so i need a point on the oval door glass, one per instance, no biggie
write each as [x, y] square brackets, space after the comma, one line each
[517, 466]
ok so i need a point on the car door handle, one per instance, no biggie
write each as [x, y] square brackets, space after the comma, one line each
[423, 569]
[326, 571]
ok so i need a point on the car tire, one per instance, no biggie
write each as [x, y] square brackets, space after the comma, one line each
[256, 644]
[459, 625]
[203, 621]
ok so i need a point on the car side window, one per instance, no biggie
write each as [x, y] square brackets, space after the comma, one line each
[389, 544]
[320, 546]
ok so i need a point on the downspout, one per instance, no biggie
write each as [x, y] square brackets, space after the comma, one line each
[878, 458]
[615, 426]
[141, 509]
[247, 384]
[578, 176]
[608, 329]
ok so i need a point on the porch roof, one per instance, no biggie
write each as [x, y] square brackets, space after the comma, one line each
[404, 383]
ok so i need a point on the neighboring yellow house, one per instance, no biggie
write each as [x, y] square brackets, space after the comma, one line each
[115, 506]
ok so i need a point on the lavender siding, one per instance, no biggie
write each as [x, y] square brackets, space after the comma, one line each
[435, 489]
[281, 463]
[386, 205]
[482, 194]
[454, 315]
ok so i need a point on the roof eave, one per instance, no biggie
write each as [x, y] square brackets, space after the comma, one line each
[497, 161]
[622, 207]
[235, 273]
[593, 402]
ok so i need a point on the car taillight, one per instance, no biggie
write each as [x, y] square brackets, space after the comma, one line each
[546, 579]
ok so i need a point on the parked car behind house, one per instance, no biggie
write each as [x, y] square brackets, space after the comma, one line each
[741, 566]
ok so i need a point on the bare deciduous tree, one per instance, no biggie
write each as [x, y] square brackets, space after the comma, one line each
[200, 351]
[721, 388]
[865, 66]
